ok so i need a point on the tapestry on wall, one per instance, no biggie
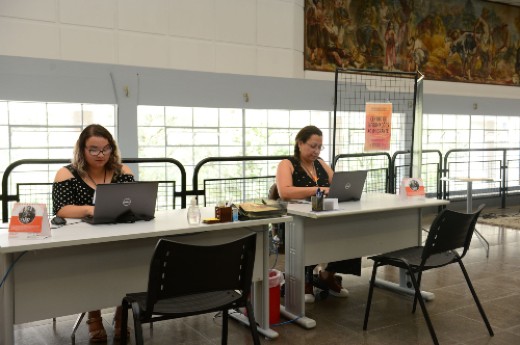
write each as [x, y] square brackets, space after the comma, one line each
[457, 40]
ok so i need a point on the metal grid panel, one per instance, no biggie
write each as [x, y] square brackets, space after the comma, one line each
[486, 164]
[236, 189]
[355, 88]
[430, 172]
[377, 167]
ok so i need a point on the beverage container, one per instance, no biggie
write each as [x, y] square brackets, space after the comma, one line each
[193, 212]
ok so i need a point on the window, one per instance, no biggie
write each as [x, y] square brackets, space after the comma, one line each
[41, 130]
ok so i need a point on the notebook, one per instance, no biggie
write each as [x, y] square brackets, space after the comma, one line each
[347, 185]
[124, 202]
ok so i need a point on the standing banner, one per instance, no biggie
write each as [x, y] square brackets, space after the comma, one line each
[378, 126]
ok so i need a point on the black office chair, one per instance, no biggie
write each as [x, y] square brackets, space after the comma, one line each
[171, 294]
[449, 231]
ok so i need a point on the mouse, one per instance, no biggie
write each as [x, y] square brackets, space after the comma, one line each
[58, 221]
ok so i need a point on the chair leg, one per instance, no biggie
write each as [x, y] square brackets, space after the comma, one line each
[370, 293]
[477, 302]
[419, 277]
[137, 324]
[423, 307]
[252, 323]
[75, 327]
[225, 318]
[124, 322]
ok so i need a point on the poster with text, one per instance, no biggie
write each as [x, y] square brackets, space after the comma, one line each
[378, 126]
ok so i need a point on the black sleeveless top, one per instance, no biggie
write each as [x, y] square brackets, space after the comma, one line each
[75, 191]
[302, 179]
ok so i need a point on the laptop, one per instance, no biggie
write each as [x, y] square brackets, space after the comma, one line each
[347, 185]
[124, 202]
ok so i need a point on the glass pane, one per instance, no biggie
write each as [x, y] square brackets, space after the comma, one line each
[63, 137]
[29, 137]
[150, 115]
[103, 114]
[25, 113]
[4, 137]
[151, 136]
[64, 114]
[205, 117]
[278, 118]
[256, 118]
[230, 118]
[231, 136]
[300, 118]
[179, 116]
[4, 116]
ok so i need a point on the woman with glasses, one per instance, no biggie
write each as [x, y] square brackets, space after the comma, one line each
[299, 177]
[96, 160]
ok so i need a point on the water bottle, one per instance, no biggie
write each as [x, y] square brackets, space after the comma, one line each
[193, 212]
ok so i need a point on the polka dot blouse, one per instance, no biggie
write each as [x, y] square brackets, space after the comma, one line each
[75, 191]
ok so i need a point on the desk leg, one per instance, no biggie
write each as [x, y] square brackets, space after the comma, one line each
[6, 302]
[294, 308]
[469, 209]
[260, 294]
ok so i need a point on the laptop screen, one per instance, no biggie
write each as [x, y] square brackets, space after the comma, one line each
[124, 202]
[347, 185]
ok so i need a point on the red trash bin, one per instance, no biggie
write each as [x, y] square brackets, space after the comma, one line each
[275, 281]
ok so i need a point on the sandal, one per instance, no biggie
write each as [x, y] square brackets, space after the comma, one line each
[96, 331]
[117, 325]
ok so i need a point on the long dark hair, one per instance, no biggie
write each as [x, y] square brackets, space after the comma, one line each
[303, 135]
[80, 163]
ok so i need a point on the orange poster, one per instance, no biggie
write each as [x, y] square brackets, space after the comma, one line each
[378, 126]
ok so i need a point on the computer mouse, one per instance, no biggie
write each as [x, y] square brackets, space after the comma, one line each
[58, 221]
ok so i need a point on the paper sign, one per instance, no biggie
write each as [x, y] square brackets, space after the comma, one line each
[29, 219]
[412, 187]
[378, 126]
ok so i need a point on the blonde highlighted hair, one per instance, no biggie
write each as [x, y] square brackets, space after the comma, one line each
[80, 163]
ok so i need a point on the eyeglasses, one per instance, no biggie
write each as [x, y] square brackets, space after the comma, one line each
[316, 147]
[95, 151]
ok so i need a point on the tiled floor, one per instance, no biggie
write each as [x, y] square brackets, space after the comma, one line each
[339, 321]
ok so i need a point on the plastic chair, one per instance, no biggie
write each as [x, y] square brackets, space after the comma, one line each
[449, 231]
[175, 292]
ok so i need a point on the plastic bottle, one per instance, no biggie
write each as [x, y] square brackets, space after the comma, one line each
[193, 212]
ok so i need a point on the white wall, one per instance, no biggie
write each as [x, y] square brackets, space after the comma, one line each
[253, 38]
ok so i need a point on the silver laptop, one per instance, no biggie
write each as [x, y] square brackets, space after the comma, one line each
[347, 185]
[124, 202]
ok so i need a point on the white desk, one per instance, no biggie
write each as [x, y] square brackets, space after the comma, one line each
[469, 201]
[87, 267]
[377, 223]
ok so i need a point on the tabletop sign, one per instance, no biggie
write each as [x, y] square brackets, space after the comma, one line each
[412, 187]
[30, 220]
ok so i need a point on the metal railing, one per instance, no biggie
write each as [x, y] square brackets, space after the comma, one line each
[41, 191]
[243, 178]
[249, 178]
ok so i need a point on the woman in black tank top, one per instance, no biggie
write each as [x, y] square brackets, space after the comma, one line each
[299, 177]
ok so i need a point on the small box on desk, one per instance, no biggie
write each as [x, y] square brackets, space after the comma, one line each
[224, 214]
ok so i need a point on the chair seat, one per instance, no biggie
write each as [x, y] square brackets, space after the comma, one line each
[413, 256]
[190, 304]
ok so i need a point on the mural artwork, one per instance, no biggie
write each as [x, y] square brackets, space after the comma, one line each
[457, 40]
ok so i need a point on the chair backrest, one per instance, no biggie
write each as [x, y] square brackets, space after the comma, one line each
[273, 192]
[451, 230]
[179, 269]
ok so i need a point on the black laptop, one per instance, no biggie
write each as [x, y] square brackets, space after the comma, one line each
[124, 202]
[347, 185]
